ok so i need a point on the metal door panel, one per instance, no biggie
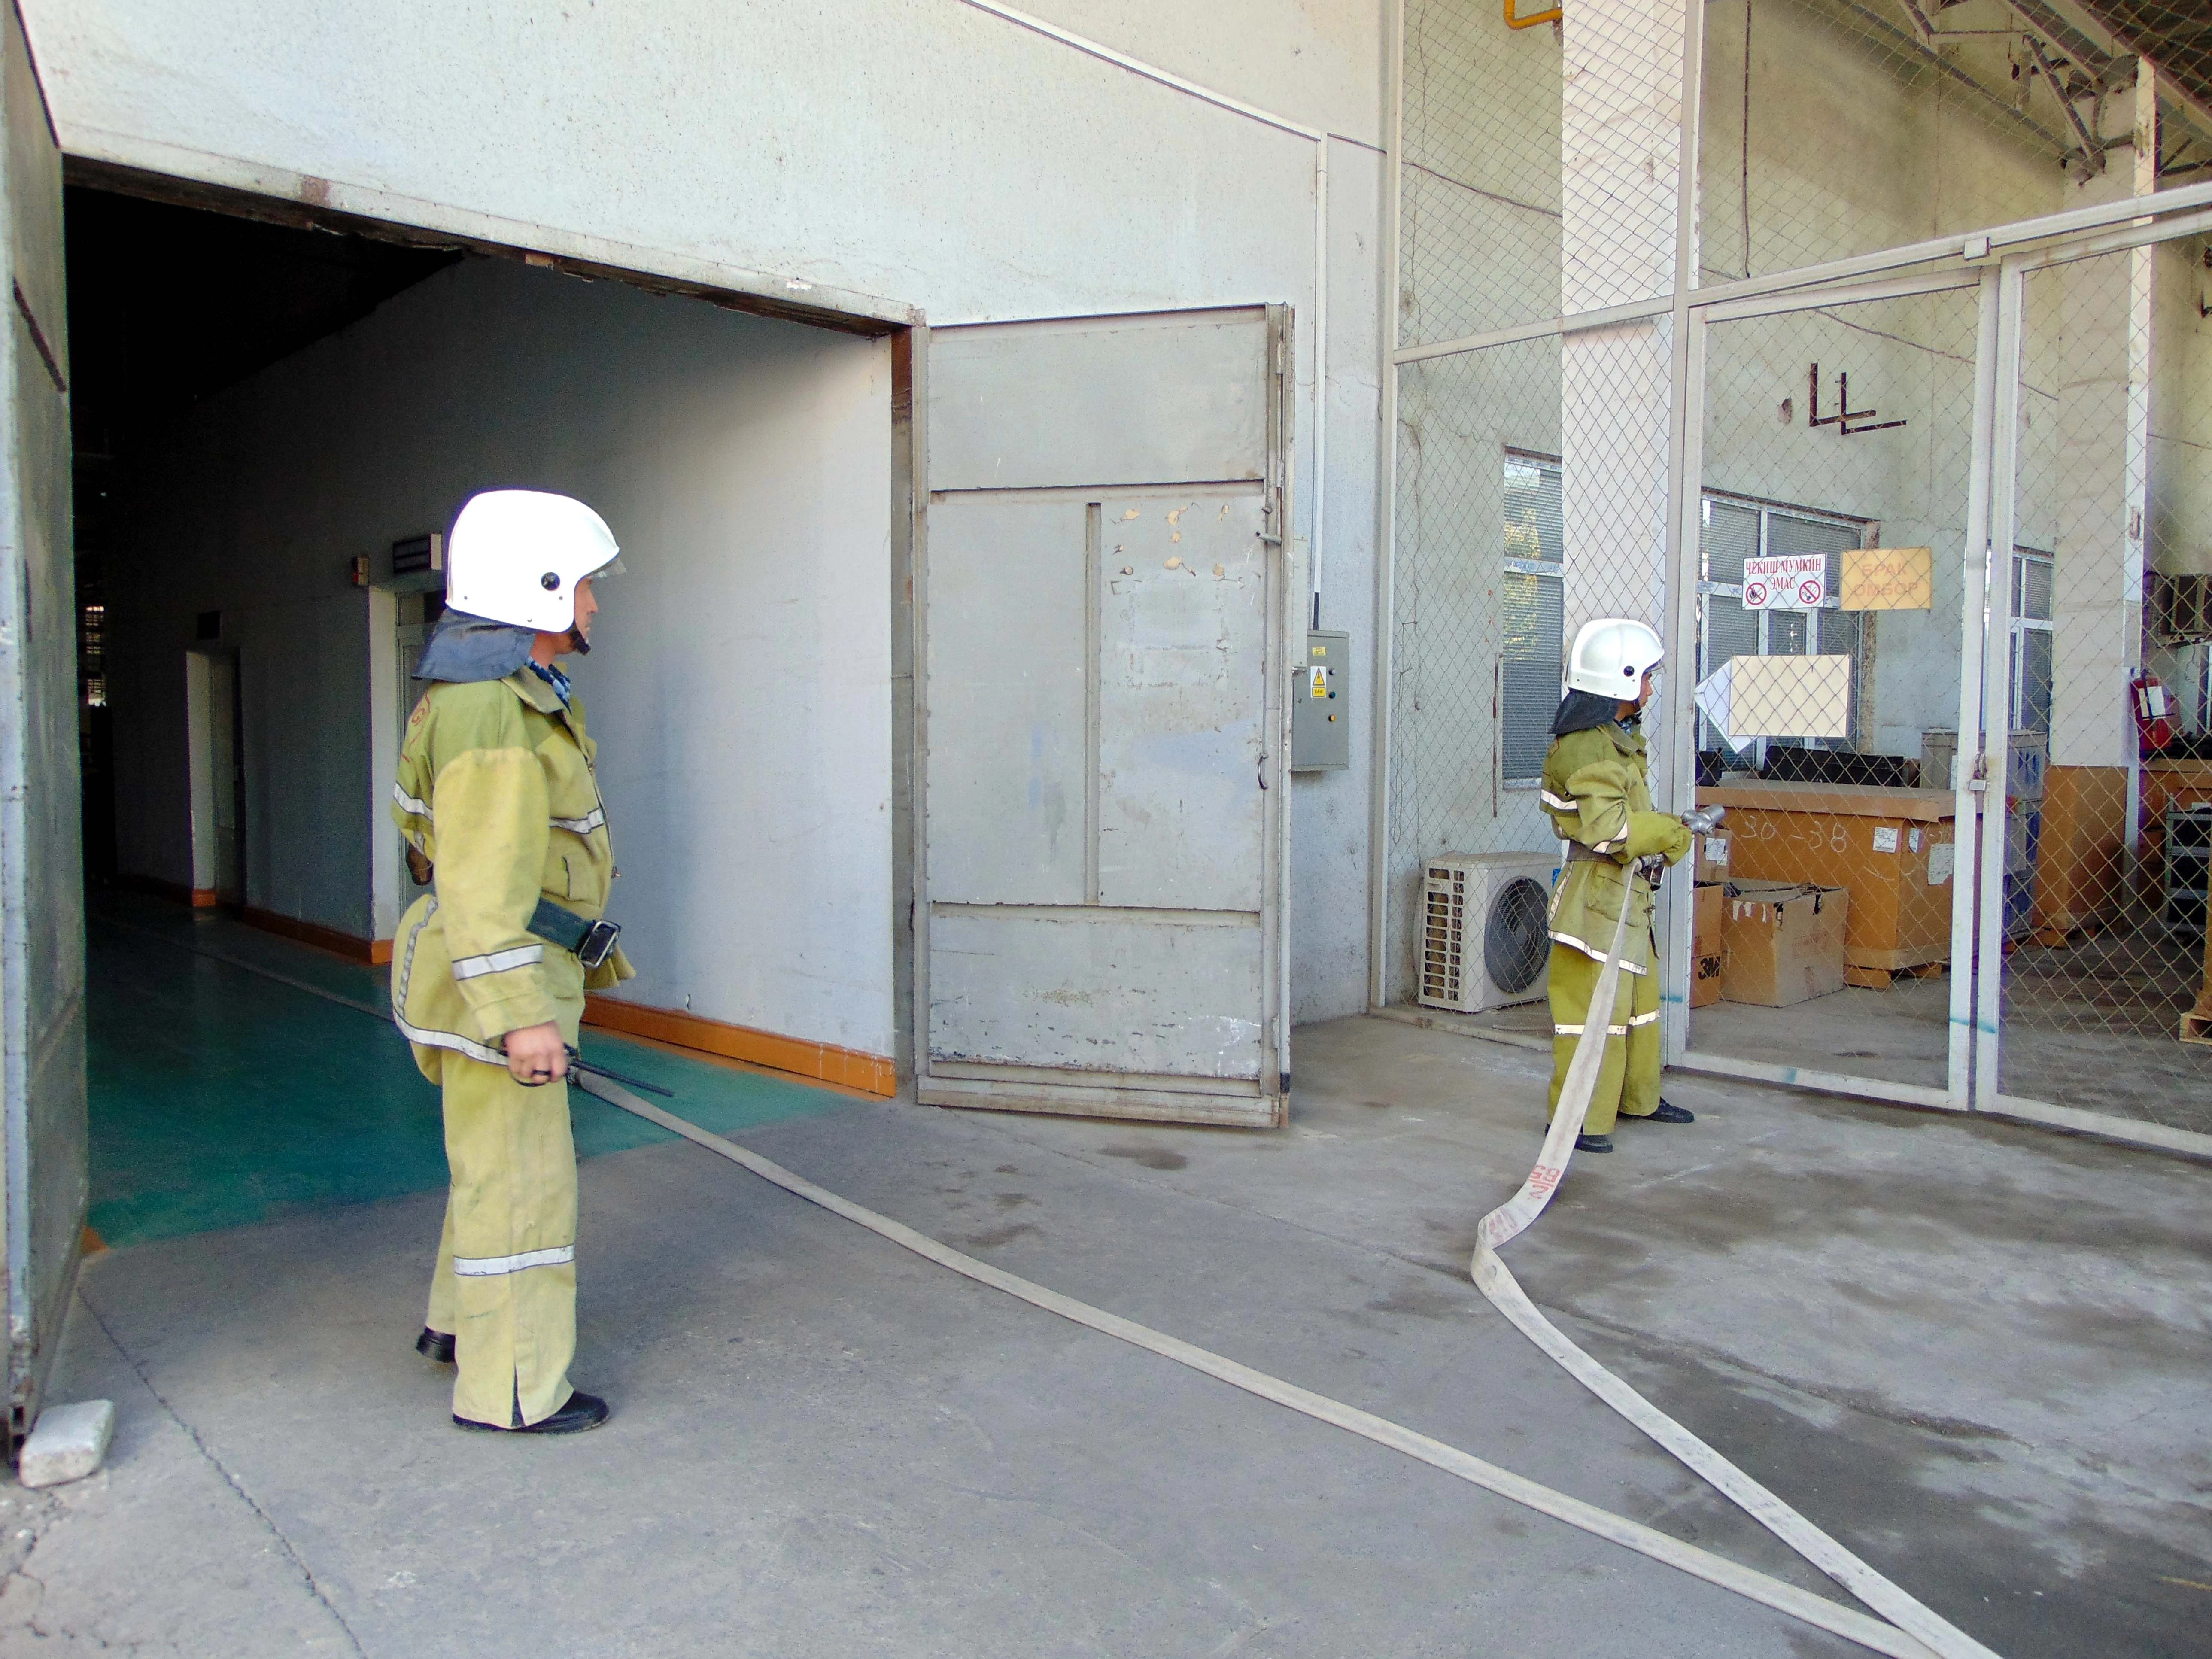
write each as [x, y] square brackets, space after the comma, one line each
[1103, 611]
[41, 874]
[1005, 816]
[1170, 397]
[1181, 701]
[1089, 989]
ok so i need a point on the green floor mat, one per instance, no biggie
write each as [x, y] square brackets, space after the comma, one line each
[221, 1097]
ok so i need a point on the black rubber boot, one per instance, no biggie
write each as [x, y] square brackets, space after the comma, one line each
[1663, 1114]
[1591, 1143]
[434, 1346]
[584, 1410]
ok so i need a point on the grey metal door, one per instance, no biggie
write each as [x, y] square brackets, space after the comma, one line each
[41, 868]
[1104, 729]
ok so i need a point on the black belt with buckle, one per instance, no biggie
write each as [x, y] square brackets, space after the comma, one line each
[592, 941]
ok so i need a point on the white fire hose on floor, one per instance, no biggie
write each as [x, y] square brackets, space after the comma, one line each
[1914, 1633]
[1509, 1220]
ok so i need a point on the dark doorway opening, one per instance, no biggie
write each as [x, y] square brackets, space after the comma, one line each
[169, 305]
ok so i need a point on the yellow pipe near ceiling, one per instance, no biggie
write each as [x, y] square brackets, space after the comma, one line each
[1515, 22]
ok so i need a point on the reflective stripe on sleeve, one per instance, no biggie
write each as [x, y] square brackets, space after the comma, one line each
[582, 826]
[491, 1267]
[420, 809]
[498, 962]
[1561, 803]
[454, 1041]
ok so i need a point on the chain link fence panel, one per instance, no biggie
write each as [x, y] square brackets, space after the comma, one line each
[1480, 184]
[1537, 178]
[2106, 964]
[1517, 520]
[1832, 584]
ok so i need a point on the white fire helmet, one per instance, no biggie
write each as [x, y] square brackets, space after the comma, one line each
[1611, 657]
[516, 556]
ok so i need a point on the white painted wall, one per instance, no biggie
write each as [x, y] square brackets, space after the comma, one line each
[927, 151]
[740, 689]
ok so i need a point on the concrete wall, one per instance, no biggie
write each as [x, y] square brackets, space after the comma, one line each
[1856, 143]
[927, 151]
[741, 687]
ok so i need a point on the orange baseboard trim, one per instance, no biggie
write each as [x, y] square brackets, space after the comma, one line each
[313, 932]
[824, 1062]
[205, 899]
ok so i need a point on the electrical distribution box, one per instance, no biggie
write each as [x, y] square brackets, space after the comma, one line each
[1321, 705]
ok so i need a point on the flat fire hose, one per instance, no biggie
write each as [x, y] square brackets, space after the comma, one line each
[1784, 1597]
[1509, 1220]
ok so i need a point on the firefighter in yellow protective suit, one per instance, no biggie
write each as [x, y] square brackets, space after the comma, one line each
[497, 798]
[1599, 801]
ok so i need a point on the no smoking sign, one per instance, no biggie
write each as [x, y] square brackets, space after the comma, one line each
[1795, 581]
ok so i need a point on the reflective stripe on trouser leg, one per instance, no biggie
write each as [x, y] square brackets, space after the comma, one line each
[513, 1201]
[1574, 980]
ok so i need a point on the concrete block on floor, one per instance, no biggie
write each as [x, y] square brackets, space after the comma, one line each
[68, 1443]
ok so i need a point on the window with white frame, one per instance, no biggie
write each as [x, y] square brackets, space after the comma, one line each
[2030, 640]
[1737, 528]
[1532, 648]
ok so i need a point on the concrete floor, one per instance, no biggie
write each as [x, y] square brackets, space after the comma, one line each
[1977, 1354]
[2070, 1038]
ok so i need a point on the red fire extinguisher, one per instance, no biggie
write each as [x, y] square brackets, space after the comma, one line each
[2154, 711]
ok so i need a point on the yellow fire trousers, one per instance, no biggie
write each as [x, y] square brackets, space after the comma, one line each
[1628, 1083]
[506, 1280]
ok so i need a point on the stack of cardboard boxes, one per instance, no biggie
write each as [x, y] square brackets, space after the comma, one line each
[1768, 942]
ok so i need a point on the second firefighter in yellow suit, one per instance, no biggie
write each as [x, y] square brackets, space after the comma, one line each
[496, 795]
[1597, 792]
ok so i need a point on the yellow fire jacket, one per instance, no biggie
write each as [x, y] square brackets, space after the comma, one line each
[496, 789]
[1596, 794]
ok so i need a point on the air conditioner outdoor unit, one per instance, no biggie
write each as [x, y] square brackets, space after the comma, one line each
[1484, 943]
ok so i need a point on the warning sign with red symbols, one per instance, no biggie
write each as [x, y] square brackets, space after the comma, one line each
[1797, 581]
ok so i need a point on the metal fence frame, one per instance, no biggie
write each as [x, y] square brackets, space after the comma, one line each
[1994, 261]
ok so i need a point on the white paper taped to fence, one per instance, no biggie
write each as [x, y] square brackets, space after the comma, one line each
[1749, 697]
[1793, 581]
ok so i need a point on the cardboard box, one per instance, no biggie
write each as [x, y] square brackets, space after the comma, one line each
[1892, 849]
[1783, 943]
[1711, 857]
[1708, 914]
[1705, 986]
